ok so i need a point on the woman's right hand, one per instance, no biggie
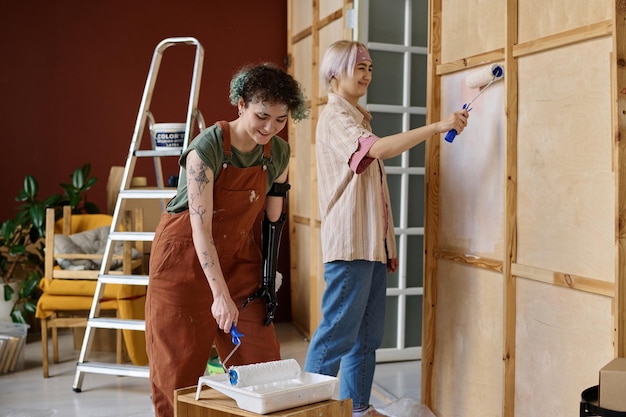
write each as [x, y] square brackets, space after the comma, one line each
[225, 312]
[456, 121]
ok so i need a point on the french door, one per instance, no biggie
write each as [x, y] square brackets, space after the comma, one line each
[396, 33]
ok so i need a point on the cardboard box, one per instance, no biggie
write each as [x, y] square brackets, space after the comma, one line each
[612, 389]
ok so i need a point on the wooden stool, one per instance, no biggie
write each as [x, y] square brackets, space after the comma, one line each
[215, 404]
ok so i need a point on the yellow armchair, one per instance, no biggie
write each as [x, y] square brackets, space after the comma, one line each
[68, 293]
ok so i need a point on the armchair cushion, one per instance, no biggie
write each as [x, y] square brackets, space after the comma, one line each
[87, 287]
[88, 242]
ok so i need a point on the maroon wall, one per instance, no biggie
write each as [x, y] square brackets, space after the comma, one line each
[72, 73]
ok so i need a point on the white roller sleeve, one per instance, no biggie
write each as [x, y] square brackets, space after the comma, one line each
[263, 373]
[484, 76]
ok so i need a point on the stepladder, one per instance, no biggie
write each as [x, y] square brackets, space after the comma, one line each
[172, 147]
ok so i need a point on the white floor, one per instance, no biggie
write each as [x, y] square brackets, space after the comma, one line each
[25, 393]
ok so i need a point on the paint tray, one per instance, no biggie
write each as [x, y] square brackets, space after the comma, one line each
[308, 388]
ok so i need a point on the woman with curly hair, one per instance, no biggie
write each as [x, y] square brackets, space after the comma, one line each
[205, 264]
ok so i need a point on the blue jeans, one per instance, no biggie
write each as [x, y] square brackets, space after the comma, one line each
[353, 320]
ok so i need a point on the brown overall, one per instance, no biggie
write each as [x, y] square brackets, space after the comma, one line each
[180, 329]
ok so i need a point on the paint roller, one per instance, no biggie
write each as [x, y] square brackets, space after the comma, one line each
[263, 373]
[258, 373]
[479, 79]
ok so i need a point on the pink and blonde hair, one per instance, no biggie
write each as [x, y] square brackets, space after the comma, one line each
[340, 59]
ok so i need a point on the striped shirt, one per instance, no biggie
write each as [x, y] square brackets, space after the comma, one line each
[355, 209]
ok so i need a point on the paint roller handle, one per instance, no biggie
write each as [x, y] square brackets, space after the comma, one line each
[452, 132]
[235, 335]
[450, 135]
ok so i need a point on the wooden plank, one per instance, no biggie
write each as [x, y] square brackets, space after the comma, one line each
[300, 172]
[314, 276]
[563, 205]
[468, 363]
[471, 180]
[572, 36]
[541, 18]
[302, 35]
[299, 18]
[509, 287]
[327, 20]
[564, 337]
[326, 36]
[301, 296]
[471, 260]
[471, 62]
[618, 114]
[73, 274]
[565, 186]
[429, 319]
[569, 37]
[300, 21]
[329, 8]
[329, 26]
[562, 279]
[215, 404]
[471, 27]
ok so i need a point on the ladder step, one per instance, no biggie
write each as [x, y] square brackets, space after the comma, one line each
[124, 324]
[124, 279]
[113, 369]
[174, 151]
[161, 194]
[132, 236]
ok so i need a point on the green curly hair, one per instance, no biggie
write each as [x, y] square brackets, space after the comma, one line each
[267, 82]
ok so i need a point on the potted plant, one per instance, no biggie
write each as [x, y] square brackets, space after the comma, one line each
[22, 243]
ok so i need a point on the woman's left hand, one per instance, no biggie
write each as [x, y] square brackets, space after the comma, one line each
[392, 264]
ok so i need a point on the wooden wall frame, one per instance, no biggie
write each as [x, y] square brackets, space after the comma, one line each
[312, 27]
[543, 285]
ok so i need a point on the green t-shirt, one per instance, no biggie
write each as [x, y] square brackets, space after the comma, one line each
[209, 146]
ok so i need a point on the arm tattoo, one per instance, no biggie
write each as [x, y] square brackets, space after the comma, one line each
[199, 177]
[209, 262]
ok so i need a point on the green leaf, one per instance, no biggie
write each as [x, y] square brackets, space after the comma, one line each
[30, 307]
[31, 187]
[38, 218]
[53, 200]
[78, 179]
[90, 183]
[17, 250]
[28, 287]
[18, 316]
[74, 200]
[7, 228]
[8, 292]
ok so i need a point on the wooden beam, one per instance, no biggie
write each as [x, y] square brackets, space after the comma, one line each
[563, 279]
[315, 276]
[509, 288]
[618, 84]
[471, 260]
[429, 304]
[471, 62]
[568, 37]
